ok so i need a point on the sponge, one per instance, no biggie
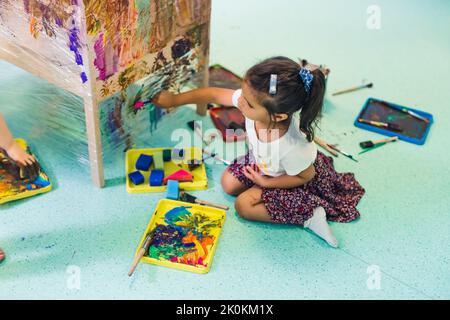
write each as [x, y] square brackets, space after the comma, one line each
[136, 177]
[156, 178]
[167, 155]
[158, 161]
[172, 189]
[144, 162]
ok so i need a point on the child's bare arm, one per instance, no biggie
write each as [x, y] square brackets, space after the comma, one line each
[281, 182]
[12, 148]
[167, 100]
[6, 138]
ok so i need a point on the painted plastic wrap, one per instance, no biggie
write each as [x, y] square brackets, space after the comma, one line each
[121, 52]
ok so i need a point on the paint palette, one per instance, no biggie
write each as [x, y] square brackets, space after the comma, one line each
[12, 189]
[200, 181]
[184, 236]
[224, 117]
[221, 77]
[414, 130]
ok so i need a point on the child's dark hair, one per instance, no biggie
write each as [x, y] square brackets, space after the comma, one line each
[291, 95]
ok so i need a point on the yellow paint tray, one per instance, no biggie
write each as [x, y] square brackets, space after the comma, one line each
[200, 179]
[171, 253]
[12, 189]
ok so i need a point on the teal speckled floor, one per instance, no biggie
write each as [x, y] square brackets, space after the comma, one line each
[404, 228]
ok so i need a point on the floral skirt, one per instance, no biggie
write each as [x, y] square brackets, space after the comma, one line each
[337, 193]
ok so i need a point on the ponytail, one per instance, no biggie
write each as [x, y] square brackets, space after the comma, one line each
[312, 107]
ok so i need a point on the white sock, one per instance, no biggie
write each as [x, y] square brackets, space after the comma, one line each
[319, 225]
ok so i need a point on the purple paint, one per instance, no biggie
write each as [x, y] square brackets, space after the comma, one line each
[83, 77]
[74, 45]
[180, 48]
[26, 4]
[58, 22]
[99, 61]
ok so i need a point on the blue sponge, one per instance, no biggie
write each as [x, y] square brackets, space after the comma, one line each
[156, 178]
[172, 190]
[136, 177]
[144, 162]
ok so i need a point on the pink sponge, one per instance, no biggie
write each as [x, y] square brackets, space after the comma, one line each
[181, 175]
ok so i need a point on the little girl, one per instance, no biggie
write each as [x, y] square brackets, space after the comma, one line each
[283, 178]
[15, 152]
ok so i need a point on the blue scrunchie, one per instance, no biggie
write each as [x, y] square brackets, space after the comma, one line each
[307, 79]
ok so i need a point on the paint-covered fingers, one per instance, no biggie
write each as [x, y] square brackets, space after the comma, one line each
[32, 171]
[164, 99]
[29, 160]
[20, 156]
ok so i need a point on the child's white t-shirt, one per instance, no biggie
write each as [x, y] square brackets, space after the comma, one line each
[290, 154]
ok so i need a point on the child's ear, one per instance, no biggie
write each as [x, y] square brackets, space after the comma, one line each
[280, 117]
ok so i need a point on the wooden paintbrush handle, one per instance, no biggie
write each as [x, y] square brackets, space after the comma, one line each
[386, 140]
[206, 203]
[136, 261]
[325, 145]
[346, 91]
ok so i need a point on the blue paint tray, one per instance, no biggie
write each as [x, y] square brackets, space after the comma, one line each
[414, 130]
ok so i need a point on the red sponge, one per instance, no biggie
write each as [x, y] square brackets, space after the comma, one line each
[181, 175]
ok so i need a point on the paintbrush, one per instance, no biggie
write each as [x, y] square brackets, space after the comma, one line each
[389, 126]
[343, 152]
[411, 113]
[186, 197]
[196, 129]
[370, 144]
[140, 254]
[326, 146]
[215, 156]
[373, 148]
[370, 85]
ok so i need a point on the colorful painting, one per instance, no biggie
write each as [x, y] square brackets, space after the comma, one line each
[47, 39]
[184, 237]
[135, 39]
[119, 52]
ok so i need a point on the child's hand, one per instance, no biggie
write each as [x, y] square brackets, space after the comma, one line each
[19, 155]
[253, 173]
[164, 99]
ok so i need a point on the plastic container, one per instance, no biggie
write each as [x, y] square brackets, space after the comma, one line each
[200, 178]
[212, 214]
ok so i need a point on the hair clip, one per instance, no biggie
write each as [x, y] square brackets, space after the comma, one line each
[273, 84]
[307, 78]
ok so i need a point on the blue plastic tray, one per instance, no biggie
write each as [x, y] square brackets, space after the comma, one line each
[415, 140]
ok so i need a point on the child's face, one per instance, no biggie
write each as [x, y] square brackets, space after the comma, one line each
[249, 106]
